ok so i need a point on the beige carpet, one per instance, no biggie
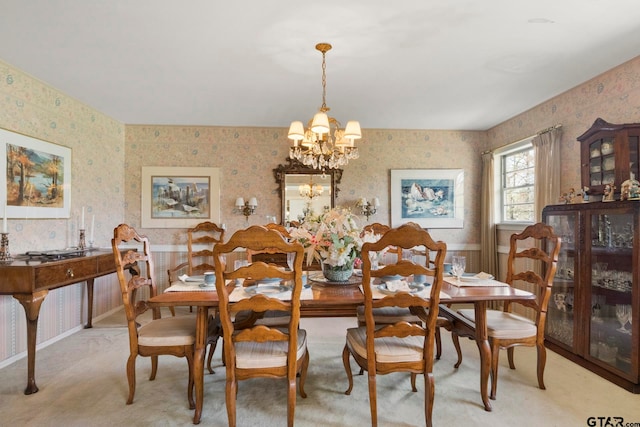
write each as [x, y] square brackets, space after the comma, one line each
[82, 382]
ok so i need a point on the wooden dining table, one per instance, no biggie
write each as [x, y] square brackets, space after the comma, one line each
[342, 301]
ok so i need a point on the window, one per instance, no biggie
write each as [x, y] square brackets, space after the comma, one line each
[516, 184]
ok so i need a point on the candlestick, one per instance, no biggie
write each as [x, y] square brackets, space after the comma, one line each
[82, 220]
[81, 243]
[5, 255]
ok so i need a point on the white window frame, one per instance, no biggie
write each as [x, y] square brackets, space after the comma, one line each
[498, 156]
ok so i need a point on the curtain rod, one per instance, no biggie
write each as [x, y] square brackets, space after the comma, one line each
[549, 129]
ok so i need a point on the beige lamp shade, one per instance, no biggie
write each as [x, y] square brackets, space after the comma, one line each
[296, 131]
[352, 130]
[320, 123]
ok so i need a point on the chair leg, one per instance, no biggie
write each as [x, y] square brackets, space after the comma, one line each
[230, 397]
[291, 401]
[154, 368]
[456, 344]
[438, 344]
[413, 382]
[495, 355]
[512, 364]
[429, 394]
[303, 374]
[373, 403]
[190, 386]
[347, 368]
[542, 361]
[131, 377]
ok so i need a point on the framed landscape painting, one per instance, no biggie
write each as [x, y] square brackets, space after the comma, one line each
[179, 197]
[432, 198]
[36, 177]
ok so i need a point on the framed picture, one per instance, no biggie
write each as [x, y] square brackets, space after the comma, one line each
[179, 197]
[432, 198]
[35, 179]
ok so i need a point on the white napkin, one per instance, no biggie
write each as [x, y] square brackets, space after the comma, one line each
[185, 278]
[398, 285]
[484, 276]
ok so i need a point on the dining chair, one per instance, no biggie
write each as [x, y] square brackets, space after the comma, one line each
[402, 346]
[534, 265]
[271, 318]
[157, 336]
[261, 350]
[200, 241]
[387, 315]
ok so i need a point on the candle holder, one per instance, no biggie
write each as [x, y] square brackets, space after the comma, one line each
[5, 255]
[81, 244]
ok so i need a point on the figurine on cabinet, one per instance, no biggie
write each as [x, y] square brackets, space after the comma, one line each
[608, 193]
[585, 194]
[634, 191]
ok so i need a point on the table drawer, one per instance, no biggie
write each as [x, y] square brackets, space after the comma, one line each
[56, 275]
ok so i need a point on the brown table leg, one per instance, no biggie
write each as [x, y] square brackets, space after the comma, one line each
[89, 304]
[200, 351]
[31, 304]
[482, 341]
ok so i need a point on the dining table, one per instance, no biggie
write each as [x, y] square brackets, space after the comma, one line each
[325, 299]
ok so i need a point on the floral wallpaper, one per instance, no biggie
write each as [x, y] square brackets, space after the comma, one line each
[107, 158]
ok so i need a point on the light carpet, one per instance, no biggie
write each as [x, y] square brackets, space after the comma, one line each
[82, 382]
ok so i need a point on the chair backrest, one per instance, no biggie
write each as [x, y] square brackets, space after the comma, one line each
[258, 238]
[206, 233]
[406, 236]
[380, 229]
[267, 255]
[139, 265]
[536, 264]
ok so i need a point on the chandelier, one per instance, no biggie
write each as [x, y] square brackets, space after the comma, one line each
[323, 144]
[310, 191]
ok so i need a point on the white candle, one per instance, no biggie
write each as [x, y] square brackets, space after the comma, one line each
[93, 223]
[4, 220]
[82, 220]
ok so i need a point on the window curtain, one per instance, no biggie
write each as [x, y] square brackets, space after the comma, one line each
[546, 147]
[489, 252]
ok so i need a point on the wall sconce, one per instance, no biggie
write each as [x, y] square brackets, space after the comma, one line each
[248, 208]
[368, 208]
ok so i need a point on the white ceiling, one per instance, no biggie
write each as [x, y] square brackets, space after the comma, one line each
[406, 64]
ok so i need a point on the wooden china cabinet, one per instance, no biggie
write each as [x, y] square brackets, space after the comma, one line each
[594, 312]
[609, 154]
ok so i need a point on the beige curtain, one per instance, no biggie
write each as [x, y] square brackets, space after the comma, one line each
[489, 250]
[546, 147]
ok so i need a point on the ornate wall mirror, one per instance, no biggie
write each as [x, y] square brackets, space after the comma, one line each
[305, 190]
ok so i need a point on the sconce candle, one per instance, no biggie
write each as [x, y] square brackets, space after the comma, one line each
[4, 220]
[82, 219]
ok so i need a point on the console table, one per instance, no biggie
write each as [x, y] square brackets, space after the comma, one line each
[29, 279]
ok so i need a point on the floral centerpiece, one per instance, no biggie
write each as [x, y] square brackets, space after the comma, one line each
[333, 238]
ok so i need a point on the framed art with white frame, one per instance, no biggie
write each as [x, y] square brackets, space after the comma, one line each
[35, 177]
[432, 198]
[179, 197]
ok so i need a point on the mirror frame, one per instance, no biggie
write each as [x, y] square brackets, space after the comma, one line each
[295, 167]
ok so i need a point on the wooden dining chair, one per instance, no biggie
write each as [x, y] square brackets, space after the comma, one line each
[158, 336]
[535, 265]
[200, 242]
[388, 315]
[261, 350]
[402, 346]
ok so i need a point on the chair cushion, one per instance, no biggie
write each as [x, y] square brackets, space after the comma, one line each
[269, 354]
[384, 315]
[503, 325]
[388, 349]
[179, 330]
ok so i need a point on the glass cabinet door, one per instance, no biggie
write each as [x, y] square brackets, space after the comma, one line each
[562, 306]
[611, 280]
